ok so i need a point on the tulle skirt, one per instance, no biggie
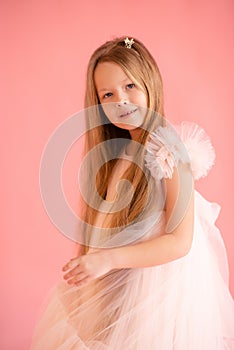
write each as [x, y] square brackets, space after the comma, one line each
[181, 305]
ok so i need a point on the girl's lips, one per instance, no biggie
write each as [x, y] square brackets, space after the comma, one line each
[128, 113]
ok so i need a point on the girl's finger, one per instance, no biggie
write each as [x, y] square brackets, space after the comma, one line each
[76, 271]
[82, 282]
[72, 263]
[78, 278]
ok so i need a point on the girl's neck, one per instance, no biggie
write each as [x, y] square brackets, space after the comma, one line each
[133, 143]
[135, 134]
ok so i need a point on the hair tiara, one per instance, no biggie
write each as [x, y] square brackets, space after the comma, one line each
[129, 43]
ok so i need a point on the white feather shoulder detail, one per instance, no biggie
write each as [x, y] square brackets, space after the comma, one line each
[199, 147]
[163, 151]
[187, 142]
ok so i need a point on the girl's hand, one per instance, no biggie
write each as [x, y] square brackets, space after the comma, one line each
[85, 268]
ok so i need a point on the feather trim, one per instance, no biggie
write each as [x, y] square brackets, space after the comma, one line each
[188, 142]
[199, 147]
[163, 151]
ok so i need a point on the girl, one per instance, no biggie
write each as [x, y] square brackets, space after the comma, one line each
[152, 272]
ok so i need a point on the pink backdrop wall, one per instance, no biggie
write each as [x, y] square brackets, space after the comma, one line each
[45, 47]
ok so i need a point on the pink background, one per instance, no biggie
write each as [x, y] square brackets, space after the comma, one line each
[45, 48]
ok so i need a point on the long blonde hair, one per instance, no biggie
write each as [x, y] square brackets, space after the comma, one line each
[141, 67]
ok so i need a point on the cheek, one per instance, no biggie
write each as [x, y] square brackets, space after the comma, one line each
[141, 99]
[108, 109]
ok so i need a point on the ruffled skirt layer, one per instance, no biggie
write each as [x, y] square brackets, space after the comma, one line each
[181, 305]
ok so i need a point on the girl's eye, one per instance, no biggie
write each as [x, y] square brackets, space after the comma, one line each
[130, 86]
[108, 94]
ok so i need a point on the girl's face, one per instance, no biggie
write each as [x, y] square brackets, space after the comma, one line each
[124, 102]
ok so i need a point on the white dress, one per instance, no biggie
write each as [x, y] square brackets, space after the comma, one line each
[181, 305]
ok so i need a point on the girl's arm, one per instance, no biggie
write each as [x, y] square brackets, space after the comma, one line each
[172, 244]
[167, 246]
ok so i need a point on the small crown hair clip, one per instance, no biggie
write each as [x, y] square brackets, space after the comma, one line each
[128, 43]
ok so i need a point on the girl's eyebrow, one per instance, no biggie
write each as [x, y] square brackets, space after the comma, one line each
[104, 89]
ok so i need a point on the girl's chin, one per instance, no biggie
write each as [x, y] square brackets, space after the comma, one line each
[127, 126]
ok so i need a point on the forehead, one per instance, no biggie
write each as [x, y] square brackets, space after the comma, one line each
[108, 74]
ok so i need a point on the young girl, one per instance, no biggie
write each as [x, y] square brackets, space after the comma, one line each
[152, 272]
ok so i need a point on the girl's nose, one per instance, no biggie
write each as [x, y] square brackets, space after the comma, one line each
[121, 100]
[121, 103]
